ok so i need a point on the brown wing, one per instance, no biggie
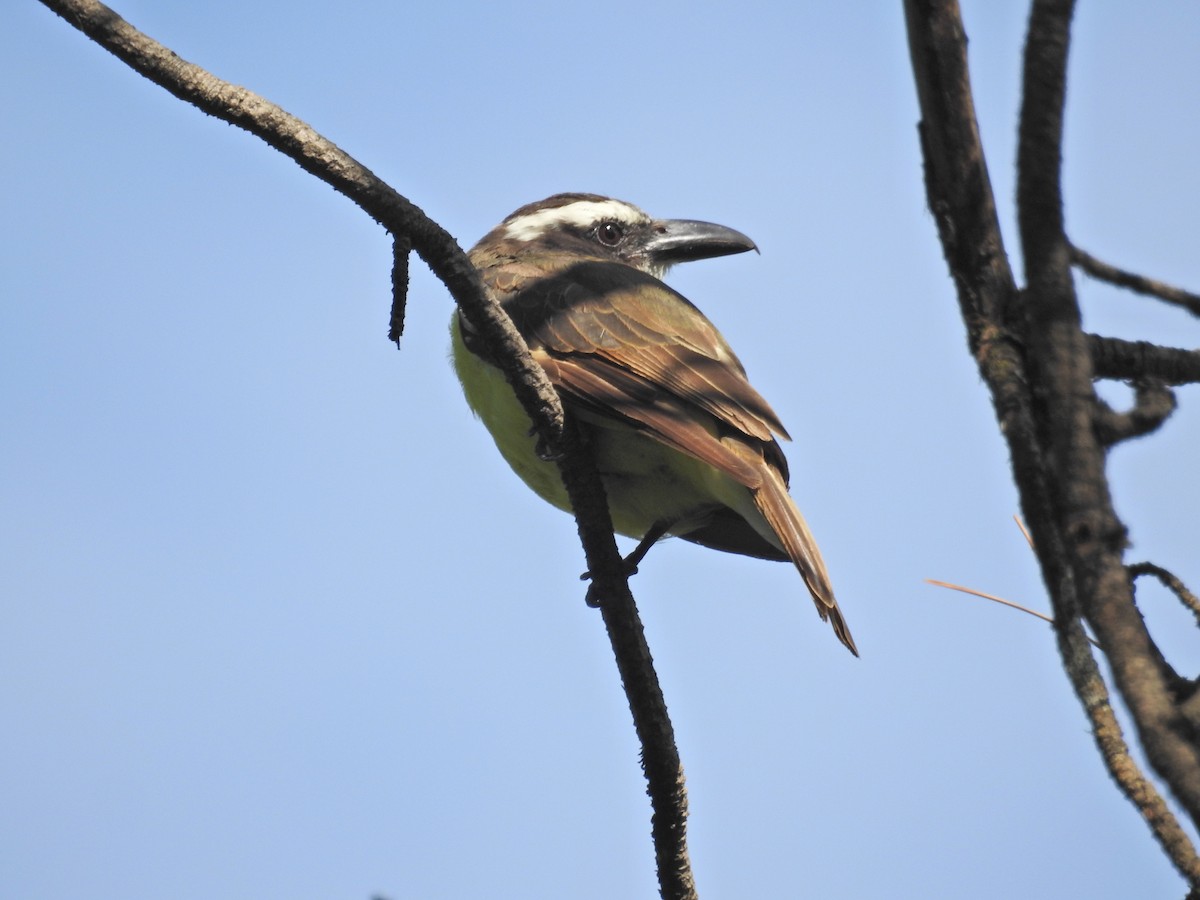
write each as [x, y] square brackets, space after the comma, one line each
[611, 391]
[624, 344]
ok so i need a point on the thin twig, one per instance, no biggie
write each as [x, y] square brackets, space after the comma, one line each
[996, 599]
[1139, 284]
[1171, 582]
[323, 159]
[1025, 531]
[1025, 609]
[1153, 404]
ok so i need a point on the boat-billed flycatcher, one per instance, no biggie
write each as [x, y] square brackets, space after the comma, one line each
[684, 444]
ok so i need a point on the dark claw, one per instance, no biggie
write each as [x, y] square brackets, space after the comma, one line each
[629, 572]
[544, 453]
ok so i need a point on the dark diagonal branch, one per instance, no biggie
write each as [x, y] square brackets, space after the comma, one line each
[1033, 355]
[1102, 271]
[326, 161]
[410, 227]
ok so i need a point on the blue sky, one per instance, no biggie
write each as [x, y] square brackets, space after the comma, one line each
[278, 621]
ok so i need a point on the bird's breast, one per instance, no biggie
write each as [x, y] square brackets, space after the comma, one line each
[646, 481]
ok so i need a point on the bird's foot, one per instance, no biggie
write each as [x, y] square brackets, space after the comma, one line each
[631, 562]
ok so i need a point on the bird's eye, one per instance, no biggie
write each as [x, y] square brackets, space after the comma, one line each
[609, 233]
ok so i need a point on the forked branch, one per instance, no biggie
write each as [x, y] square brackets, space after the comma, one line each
[1037, 363]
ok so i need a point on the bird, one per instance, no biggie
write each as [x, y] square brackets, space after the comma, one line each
[684, 445]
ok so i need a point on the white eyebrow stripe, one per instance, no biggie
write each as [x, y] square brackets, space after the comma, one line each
[581, 213]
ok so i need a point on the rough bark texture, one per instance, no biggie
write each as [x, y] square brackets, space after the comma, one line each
[412, 229]
[1040, 367]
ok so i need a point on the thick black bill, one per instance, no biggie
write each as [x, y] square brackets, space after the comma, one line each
[683, 240]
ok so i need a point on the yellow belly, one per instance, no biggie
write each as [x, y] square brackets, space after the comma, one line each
[646, 481]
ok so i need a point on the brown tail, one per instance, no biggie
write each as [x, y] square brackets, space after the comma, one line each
[778, 508]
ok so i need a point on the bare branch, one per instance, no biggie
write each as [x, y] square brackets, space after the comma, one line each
[1171, 582]
[1033, 356]
[660, 758]
[322, 158]
[956, 177]
[410, 227]
[1124, 770]
[1132, 360]
[1153, 405]
[1082, 524]
[1139, 284]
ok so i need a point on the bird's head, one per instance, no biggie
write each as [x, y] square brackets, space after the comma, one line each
[596, 227]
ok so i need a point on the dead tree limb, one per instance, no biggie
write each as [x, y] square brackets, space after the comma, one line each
[410, 227]
[1037, 363]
